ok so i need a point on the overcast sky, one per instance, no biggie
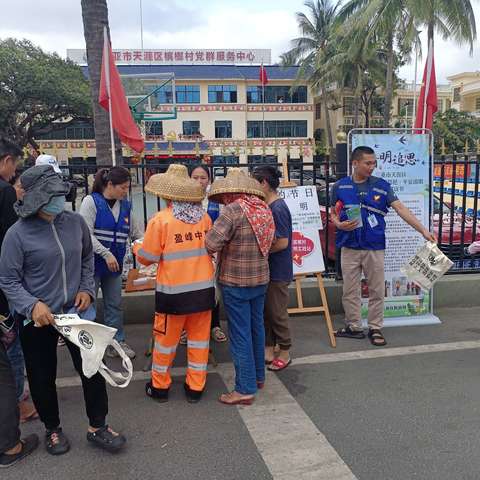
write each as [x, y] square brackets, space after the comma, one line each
[56, 25]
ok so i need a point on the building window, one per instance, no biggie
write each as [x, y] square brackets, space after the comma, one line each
[277, 94]
[188, 93]
[456, 94]
[225, 160]
[318, 111]
[405, 107]
[223, 129]
[191, 127]
[277, 128]
[262, 159]
[348, 106]
[222, 94]
[477, 104]
[184, 94]
[155, 128]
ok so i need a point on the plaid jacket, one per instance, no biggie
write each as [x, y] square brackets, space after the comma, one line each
[240, 260]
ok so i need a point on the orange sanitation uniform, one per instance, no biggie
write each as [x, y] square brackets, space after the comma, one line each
[184, 296]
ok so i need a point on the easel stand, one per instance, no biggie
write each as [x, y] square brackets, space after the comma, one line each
[323, 308]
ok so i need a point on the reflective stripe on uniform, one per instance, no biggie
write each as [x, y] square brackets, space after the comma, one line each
[162, 349]
[186, 287]
[160, 368]
[197, 344]
[109, 233]
[345, 187]
[379, 190]
[148, 256]
[373, 209]
[197, 252]
[104, 239]
[121, 234]
[201, 367]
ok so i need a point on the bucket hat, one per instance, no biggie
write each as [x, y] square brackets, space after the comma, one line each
[40, 184]
[236, 181]
[175, 184]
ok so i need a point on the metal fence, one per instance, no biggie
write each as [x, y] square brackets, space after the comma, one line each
[455, 198]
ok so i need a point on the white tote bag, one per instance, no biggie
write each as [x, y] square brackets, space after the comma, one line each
[93, 338]
[427, 266]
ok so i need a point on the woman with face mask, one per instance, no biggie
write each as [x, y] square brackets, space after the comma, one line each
[46, 268]
[108, 216]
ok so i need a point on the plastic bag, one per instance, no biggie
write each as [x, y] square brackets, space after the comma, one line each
[93, 338]
[427, 266]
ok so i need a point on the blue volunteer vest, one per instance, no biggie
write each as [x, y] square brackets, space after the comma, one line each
[373, 203]
[110, 233]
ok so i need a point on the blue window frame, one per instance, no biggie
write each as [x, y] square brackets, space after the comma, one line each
[223, 129]
[277, 94]
[277, 128]
[222, 94]
[191, 127]
[184, 94]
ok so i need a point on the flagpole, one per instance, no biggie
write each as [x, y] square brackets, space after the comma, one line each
[415, 85]
[263, 110]
[106, 56]
[427, 82]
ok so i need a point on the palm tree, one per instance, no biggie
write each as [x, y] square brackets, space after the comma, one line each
[314, 47]
[95, 17]
[396, 22]
[394, 30]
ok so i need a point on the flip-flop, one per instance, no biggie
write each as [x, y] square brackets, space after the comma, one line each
[279, 364]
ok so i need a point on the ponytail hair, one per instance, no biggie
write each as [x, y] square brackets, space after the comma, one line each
[268, 173]
[116, 175]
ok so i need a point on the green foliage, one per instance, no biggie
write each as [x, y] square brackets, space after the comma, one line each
[37, 88]
[455, 128]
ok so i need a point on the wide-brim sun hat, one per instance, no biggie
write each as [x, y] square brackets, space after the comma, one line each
[175, 184]
[40, 184]
[236, 181]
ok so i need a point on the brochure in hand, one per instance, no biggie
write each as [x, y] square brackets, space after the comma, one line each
[355, 213]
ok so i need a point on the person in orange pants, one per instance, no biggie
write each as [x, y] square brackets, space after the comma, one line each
[185, 294]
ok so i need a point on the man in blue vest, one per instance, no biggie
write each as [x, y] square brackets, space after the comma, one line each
[360, 203]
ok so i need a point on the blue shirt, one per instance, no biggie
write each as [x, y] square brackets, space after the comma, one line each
[280, 263]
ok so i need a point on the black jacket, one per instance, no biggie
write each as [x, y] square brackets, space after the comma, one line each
[8, 216]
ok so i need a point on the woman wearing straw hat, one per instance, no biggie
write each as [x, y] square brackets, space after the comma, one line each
[185, 293]
[242, 236]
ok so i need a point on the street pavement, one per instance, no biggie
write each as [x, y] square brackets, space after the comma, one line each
[406, 411]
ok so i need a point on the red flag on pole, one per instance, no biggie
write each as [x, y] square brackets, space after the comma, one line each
[112, 98]
[263, 75]
[427, 102]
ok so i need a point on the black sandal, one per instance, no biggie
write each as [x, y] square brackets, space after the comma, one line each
[348, 332]
[29, 444]
[376, 337]
[104, 438]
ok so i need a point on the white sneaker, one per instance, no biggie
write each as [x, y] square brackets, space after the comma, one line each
[127, 349]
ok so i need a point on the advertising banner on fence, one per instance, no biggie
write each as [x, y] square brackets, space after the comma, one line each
[403, 160]
[303, 204]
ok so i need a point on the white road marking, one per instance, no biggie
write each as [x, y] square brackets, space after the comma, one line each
[289, 442]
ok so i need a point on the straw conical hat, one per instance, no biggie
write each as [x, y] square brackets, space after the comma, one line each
[236, 181]
[175, 184]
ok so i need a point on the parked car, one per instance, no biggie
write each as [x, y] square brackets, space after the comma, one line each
[450, 243]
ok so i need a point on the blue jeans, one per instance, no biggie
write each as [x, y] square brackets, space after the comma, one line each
[15, 355]
[111, 286]
[244, 307]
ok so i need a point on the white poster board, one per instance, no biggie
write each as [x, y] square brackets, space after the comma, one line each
[403, 160]
[302, 201]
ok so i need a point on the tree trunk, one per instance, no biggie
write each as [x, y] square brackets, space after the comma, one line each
[328, 124]
[388, 83]
[95, 16]
[358, 92]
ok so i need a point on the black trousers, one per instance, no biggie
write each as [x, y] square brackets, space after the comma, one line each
[40, 351]
[216, 316]
[9, 414]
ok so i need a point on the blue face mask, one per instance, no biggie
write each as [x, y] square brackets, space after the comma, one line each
[54, 206]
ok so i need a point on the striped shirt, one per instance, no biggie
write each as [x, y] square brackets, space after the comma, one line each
[240, 260]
